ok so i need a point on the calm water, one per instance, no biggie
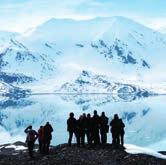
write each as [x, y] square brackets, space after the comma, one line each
[145, 118]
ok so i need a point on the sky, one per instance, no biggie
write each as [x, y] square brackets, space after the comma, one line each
[22, 15]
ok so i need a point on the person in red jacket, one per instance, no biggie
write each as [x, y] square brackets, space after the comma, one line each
[32, 135]
[40, 135]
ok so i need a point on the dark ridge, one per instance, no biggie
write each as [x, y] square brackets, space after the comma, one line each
[93, 45]
[145, 64]
[12, 77]
[80, 45]
[47, 45]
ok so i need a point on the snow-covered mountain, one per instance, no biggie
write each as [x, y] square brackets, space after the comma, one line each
[115, 45]
[59, 49]
[88, 82]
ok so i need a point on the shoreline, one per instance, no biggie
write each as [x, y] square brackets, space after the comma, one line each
[62, 154]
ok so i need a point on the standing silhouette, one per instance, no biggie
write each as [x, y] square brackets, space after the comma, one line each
[40, 135]
[83, 128]
[89, 129]
[46, 138]
[104, 127]
[30, 139]
[115, 130]
[121, 131]
[96, 125]
[72, 128]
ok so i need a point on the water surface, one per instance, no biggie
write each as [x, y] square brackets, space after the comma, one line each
[145, 118]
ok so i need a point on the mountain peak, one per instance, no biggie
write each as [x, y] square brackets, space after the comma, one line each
[58, 20]
[85, 73]
[85, 30]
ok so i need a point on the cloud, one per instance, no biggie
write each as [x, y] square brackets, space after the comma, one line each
[19, 15]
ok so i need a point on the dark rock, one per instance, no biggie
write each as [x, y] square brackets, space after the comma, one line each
[87, 155]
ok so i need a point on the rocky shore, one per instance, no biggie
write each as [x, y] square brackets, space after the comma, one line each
[16, 154]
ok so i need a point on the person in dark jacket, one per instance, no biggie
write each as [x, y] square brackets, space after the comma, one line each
[40, 134]
[30, 139]
[115, 130]
[82, 128]
[72, 128]
[46, 138]
[89, 129]
[96, 125]
[104, 127]
[121, 131]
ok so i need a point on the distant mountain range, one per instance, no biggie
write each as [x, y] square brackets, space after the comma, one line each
[56, 52]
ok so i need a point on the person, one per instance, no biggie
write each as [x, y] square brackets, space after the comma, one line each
[89, 129]
[46, 137]
[30, 139]
[104, 127]
[96, 125]
[115, 130]
[82, 128]
[121, 131]
[72, 128]
[40, 134]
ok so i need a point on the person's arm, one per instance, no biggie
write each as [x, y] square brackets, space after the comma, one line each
[36, 133]
[26, 130]
[123, 125]
[68, 125]
[51, 129]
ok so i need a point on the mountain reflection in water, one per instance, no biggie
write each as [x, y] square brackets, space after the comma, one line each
[144, 117]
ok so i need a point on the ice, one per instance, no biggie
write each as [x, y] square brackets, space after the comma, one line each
[133, 149]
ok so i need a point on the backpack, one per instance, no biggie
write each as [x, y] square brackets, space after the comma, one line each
[31, 136]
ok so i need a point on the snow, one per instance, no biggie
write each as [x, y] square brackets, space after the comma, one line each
[1, 147]
[133, 149]
[16, 147]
